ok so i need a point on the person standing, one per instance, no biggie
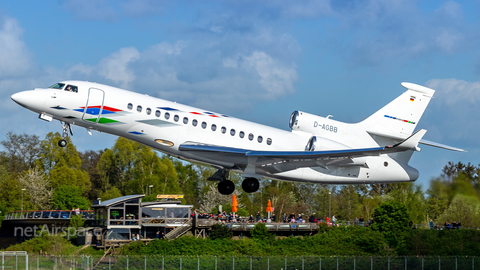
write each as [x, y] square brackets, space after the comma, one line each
[361, 220]
[258, 216]
[334, 220]
[285, 217]
[431, 224]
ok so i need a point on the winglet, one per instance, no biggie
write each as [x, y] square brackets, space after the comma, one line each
[410, 142]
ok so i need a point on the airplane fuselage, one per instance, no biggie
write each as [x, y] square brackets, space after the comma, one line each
[166, 126]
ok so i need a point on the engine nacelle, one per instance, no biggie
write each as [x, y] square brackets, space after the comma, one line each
[317, 143]
[315, 124]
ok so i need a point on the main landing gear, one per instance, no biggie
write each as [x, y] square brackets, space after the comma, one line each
[66, 130]
[227, 187]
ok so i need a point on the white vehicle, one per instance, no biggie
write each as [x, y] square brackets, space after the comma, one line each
[316, 150]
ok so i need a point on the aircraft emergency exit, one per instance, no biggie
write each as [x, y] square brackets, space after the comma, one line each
[316, 150]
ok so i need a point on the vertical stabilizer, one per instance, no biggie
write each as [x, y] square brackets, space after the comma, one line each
[400, 117]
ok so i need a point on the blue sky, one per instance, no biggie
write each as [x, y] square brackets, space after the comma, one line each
[256, 60]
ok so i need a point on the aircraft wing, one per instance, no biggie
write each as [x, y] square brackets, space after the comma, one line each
[303, 158]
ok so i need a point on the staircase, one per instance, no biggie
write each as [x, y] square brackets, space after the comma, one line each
[180, 230]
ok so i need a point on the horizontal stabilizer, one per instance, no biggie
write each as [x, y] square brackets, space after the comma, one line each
[443, 146]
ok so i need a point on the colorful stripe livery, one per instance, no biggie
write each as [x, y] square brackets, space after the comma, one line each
[95, 110]
[403, 120]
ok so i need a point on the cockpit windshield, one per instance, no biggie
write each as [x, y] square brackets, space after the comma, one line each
[57, 86]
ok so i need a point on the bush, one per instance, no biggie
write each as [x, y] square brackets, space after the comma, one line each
[220, 231]
[260, 232]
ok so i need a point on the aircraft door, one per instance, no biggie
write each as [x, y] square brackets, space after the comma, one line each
[94, 106]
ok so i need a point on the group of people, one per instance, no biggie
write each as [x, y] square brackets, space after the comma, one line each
[454, 225]
[232, 217]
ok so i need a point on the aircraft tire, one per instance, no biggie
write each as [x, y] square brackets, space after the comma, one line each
[250, 184]
[226, 187]
[62, 143]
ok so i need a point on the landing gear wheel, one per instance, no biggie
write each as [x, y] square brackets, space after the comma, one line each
[250, 184]
[226, 187]
[62, 143]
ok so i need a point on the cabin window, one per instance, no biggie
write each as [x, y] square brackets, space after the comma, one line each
[57, 86]
[157, 113]
[204, 125]
[241, 134]
[175, 118]
[260, 139]
[194, 122]
[269, 141]
[214, 127]
[224, 129]
[71, 88]
[167, 115]
[149, 111]
[139, 108]
[185, 120]
[250, 136]
[232, 132]
[130, 106]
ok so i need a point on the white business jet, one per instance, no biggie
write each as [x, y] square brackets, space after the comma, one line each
[316, 150]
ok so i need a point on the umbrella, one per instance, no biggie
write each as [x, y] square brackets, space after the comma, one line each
[269, 206]
[234, 204]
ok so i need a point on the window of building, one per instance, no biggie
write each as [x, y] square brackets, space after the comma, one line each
[149, 111]
[194, 122]
[241, 134]
[139, 108]
[250, 136]
[185, 120]
[176, 118]
[130, 106]
[167, 115]
[204, 125]
[214, 127]
[232, 132]
[157, 113]
[224, 129]
[260, 139]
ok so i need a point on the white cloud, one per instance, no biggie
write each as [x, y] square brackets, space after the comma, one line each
[454, 92]
[276, 78]
[15, 58]
[115, 67]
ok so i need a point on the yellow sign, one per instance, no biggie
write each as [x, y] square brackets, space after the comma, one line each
[163, 196]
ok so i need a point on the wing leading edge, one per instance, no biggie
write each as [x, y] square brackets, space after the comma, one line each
[407, 144]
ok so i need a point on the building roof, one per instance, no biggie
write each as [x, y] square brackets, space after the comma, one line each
[118, 200]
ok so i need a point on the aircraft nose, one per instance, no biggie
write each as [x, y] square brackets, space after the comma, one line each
[33, 99]
[20, 97]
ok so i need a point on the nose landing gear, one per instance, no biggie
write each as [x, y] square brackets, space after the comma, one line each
[66, 128]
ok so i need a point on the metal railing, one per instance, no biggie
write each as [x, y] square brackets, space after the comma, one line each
[49, 214]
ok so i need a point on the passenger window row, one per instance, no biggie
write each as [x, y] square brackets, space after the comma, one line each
[176, 118]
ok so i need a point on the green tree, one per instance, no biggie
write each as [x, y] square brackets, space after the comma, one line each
[260, 232]
[68, 197]
[110, 193]
[10, 189]
[391, 218]
[20, 153]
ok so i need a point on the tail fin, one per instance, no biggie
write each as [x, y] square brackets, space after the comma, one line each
[399, 118]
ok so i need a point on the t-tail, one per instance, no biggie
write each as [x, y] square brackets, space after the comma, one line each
[398, 119]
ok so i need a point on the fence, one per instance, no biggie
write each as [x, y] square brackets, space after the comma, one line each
[14, 260]
[245, 262]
